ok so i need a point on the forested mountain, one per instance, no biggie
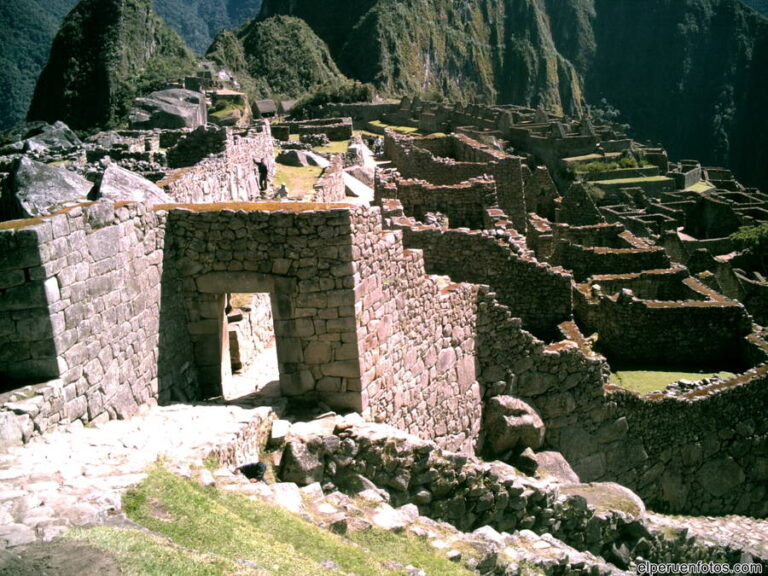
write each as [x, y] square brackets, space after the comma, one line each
[691, 74]
[279, 56]
[198, 21]
[106, 53]
[27, 29]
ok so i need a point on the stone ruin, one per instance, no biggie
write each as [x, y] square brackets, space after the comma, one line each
[457, 308]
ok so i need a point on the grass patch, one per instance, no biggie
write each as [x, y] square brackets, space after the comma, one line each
[417, 552]
[701, 186]
[401, 129]
[647, 381]
[225, 110]
[633, 180]
[139, 553]
[336, 147]
[298, 179]
[231, 530]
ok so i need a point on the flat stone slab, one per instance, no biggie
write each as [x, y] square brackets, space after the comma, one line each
[75, 476]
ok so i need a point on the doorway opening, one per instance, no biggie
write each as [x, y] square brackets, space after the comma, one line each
[249, 355]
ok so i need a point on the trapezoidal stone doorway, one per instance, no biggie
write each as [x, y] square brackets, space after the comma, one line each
[210, 335]
[303, 257]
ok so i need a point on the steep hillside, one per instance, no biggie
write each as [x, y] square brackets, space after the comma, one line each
[695, 79]
[106, 52]
[198, 21]
[480, 51]
[277, 56]
[27, 29]
[691, 74]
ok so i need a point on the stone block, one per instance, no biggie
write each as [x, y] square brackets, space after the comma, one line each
[342, 369]
[11, 278]
[721, 476]
[509, 424]
[535, 383]
[318, 352]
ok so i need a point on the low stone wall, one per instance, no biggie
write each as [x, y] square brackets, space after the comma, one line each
[704, 453]
[668, 284]
[470, 494]
[413, 161]
[471, 256]
[359, 112]
[228, 176]
[464, 204]
[597, 235]
[337, 129]
[674, 333]
[585, 261]
[330, 186]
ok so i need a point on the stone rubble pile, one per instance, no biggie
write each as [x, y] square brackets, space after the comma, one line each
[603, 519]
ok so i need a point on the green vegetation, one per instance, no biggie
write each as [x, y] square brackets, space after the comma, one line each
[224, 109]
[138, 552]
[335, 147]
[298, 179]
[198, 21]
[350, 91]
[277, 57]
[27, 29]
[647, 381]
[605, 166]
[401, 129]
[106, 53]
[200, 531]
[754, 241]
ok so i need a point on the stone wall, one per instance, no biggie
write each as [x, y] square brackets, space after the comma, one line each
[585, 261]
[414, 161]
[251, 330]
[416, 339]
[709, 331]
[85, 317]
[330, 186]
[704, 453]
[472, 495]
[335, 128]
[359, 112]
[489, 259]
[464, 204]
[229, 176]
[301, 257]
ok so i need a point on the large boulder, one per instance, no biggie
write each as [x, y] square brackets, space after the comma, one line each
[170, 109]
[33, 189]
[40, 138]
[510, 426]
[297, 158]
[302, 463]
[120, 185]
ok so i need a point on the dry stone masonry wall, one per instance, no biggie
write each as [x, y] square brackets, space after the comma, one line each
[85, 315]
[227, 175]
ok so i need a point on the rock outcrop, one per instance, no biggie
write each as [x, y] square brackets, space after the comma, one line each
[120, 185]
[511, 425]
[170, 109]
[40, 137]
[34, 189]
